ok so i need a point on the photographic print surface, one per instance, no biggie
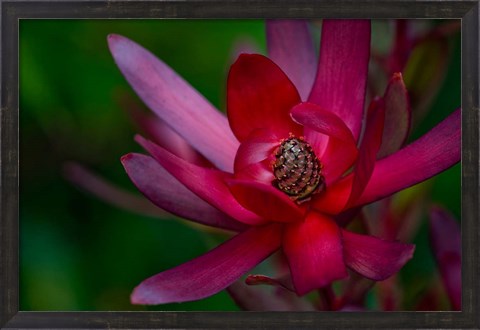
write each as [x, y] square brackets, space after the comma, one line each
[328, 149]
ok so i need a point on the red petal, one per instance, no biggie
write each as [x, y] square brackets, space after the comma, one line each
[259, 146]
[314, 251]
[166, 192]
[290, 45]
[211, 272]
[261, 172]
[429, 155]
[342, 70]
[371, 141]
[259, 95]
[397, 116]
[176, 102]
[335, 197]
[331, 139]
[265, 200]
[375, 258]
[206, 183]
[445, 238]
[166, 137]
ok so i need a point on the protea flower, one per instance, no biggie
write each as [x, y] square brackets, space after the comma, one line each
[293, 160]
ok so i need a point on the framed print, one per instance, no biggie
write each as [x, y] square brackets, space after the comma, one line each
[211, 165]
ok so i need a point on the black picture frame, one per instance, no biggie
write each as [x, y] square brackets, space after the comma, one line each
[13, 11]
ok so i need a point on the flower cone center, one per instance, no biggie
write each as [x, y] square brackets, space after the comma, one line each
[297, 170]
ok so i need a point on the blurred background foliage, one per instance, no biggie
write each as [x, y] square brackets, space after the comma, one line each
[79, 253]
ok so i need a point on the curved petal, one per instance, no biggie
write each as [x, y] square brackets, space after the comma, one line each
[265, 200]
[261, 172]
[331, 139]
[166, 137]
[175, 102]
[371, 141]
[375, 258]
[314, 251]
[168, 193]
[259, 146]
[211, 272]
[397, 116]
[206, 183]
[341, 78]
[335, 197]
[290, 45]
[259, 95]
[431, 154]
[445, 238]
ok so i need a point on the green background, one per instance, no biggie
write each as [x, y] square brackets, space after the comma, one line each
[79, 253]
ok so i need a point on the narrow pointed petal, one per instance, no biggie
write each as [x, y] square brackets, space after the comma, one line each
[175, 102]
[110, 193]
[314, 251]
[166, 137]
[211, 272]
[290, 45]
[431, 154]
[206, 183]
[397, 116]
[342, 73]
[331, 139]
[371, 141]
[445, 238]
[168, 193]
[260, 95]
[265, 200]
[375, 258]
[283, 282]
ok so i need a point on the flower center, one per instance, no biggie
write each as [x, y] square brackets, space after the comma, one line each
[297, 169]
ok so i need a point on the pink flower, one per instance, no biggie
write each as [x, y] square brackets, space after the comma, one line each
[285, 164]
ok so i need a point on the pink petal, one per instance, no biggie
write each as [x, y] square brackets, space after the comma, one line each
[259, 95]
[165, 137]
[109, 193]
[445, 238]
[168, 193]
[175, 102]
[342, 70]
[261, 172]
[375, 258]
[371, 141]
[259, 146]
[429, 155]
[339, 151]
[314, 251]
[397, 116]
[211, 272]
[290, 45]
[265, 200]
[206, 183]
